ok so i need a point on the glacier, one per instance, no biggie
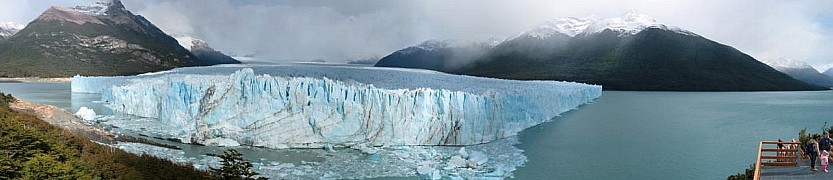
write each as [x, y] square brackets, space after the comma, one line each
[305, 106]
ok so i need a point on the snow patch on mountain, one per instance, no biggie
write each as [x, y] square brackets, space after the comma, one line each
[630, 23]
[787, 63]
[568, 26]
[8, 29]
[187, 41]
[97, 8]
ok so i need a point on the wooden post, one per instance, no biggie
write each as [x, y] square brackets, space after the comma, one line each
[757, 175]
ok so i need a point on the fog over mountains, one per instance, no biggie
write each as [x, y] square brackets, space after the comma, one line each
[628, 52]
[338, 31]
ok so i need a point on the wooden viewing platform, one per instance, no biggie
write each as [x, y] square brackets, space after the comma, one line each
[786, 162]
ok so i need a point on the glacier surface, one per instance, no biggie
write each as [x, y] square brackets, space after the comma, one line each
[322, 106]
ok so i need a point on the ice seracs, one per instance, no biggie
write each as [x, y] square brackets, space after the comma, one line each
[308, 107]
[630, 23]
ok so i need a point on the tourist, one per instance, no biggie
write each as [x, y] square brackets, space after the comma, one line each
[824, 155]
[812, 150]
[826, 143]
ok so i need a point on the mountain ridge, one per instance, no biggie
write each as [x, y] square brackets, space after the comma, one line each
[656, 58]
[104, 39]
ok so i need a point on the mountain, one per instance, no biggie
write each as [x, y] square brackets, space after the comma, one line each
[829, 72]
[102, 39]
[437, 55]
[204, 53]
[364, 61]
[802, 71]
[632, 52]
[7, 29]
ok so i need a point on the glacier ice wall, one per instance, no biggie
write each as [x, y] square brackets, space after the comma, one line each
[306, 112]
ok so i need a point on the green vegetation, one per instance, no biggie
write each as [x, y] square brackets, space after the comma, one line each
[748, 174]
[234, 167]
[32, 149]
[54, 48]
[803, 137]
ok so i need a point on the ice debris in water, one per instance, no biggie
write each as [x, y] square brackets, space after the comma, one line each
[394, 161]
[86, 113]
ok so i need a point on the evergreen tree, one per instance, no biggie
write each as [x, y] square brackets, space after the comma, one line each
[234, 167]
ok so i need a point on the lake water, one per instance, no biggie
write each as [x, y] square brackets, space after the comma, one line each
[54, 93]
[623, 135]
[668, 135]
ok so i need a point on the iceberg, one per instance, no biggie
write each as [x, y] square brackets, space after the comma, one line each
[314, 107]
[86, 114]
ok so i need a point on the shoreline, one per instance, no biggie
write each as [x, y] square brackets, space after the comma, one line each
[66, 120]
[34, 79]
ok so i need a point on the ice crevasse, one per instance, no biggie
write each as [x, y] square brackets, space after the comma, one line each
[310, 112]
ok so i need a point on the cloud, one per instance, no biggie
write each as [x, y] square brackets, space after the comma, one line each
[25, 11]
[337, 30]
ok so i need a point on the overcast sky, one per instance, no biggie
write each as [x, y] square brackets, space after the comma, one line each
[337, 30]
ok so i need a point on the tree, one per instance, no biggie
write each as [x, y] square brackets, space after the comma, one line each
[234, 167]
[748, 174]
[45, 166]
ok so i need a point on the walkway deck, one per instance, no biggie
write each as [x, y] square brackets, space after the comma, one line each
[780, 160]
[802, 171]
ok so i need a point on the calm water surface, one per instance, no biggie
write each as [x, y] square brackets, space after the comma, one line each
[54, 93]
[623, 135]
[668, 135]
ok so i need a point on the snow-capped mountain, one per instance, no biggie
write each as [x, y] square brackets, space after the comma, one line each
[800, 70]
[631, 52]
[569, 26]
[205, 54]
[628, 24]
[8, 29]
[101, 39]
[187, 41]
[787, 63]
[829, 72]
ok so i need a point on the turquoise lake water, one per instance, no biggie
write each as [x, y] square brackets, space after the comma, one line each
[668, 135]
[623, 135]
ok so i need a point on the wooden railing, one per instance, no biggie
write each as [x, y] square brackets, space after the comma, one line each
[784, 155]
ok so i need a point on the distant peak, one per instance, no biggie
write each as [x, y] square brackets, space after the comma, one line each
[785, 62]
[8, 29]
[636, 15]
[11, 25]
[187, 41]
